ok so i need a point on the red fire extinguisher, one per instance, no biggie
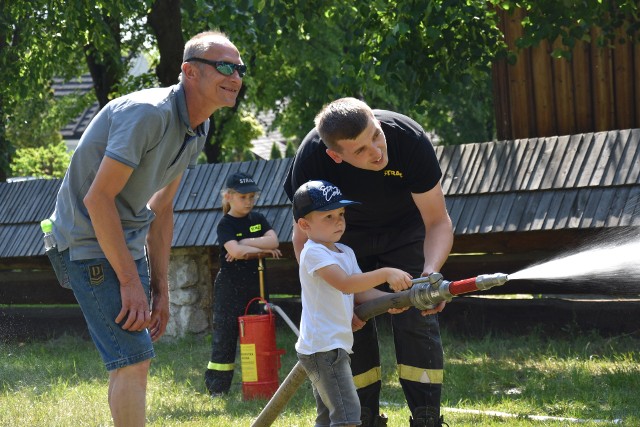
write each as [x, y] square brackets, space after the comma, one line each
[259, 358]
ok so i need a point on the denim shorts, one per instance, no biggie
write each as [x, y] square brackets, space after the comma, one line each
[336, 398]
[97, 290]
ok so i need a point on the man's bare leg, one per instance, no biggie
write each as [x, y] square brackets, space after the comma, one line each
[127, 394]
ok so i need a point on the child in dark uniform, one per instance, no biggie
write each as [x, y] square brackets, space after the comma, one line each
[243, 236]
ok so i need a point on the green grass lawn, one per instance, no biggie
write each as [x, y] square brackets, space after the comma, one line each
[61, 382]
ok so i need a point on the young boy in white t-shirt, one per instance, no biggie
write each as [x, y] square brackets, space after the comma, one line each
[331, 281]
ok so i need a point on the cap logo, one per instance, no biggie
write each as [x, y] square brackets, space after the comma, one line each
[318, 195]
[330, 191]
[245, 181]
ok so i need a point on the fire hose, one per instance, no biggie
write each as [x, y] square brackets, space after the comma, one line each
[425, 293]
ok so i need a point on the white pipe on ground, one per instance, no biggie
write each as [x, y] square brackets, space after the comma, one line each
[529, 417]
[286, 318]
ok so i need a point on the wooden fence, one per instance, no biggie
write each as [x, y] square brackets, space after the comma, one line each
[597, 90]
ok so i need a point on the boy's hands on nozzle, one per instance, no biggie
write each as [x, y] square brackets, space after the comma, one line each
[397, 279]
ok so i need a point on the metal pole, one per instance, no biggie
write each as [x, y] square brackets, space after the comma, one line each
[261, 276]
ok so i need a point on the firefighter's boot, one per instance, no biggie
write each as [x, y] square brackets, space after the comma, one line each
[426, 416]
[370, 420]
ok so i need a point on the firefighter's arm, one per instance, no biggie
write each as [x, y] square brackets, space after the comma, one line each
[237, 251]
[438, 233]
[268, 241]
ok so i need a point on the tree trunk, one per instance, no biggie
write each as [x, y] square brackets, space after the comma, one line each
[165, 19]
[105, 69]
[8, 54]
[211, 150]
[102, 81]
[5, 146]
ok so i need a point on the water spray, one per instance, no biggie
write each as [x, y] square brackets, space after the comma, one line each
[425, 293]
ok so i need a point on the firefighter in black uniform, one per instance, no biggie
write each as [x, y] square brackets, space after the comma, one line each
[242, 234]
[385, 160]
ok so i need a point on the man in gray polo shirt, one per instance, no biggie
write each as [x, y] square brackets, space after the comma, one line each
[113, 221]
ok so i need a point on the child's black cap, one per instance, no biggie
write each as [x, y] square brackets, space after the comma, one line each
[242, 183]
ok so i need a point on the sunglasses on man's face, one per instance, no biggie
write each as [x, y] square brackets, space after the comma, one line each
[225, 68]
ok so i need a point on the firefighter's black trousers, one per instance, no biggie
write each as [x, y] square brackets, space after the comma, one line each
[417, 340]
[233, 289]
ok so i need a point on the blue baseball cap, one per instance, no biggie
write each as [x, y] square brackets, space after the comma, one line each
[318, 196]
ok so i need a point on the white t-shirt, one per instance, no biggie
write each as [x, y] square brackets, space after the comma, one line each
[325, 323]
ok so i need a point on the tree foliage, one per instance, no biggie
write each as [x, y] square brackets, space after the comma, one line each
[29, 58]
[420, 58]
[275, 151]
[237, 130]
[39, 121]
[43, 39]
[290, 149]
[430, 59]
[45, 161]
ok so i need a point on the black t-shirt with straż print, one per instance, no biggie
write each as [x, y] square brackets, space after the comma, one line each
[233, 228]
[385, 196]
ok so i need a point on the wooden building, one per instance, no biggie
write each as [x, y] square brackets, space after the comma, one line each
[539, 96]
[512, 203]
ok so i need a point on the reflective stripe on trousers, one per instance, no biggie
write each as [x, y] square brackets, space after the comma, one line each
[221, 366]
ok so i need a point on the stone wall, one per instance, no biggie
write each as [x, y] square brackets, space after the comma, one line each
[192, 272]
[190, 292]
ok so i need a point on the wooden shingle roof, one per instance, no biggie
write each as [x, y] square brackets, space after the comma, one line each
[23, 205]
[579, 182]
[198, 205]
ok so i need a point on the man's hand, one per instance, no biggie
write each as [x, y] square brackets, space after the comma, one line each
[397, 310]
[134, 307]
[434, 279]
[159, 315]
[437, 309]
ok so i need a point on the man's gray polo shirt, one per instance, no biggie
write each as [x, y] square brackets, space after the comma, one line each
[146, 130]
